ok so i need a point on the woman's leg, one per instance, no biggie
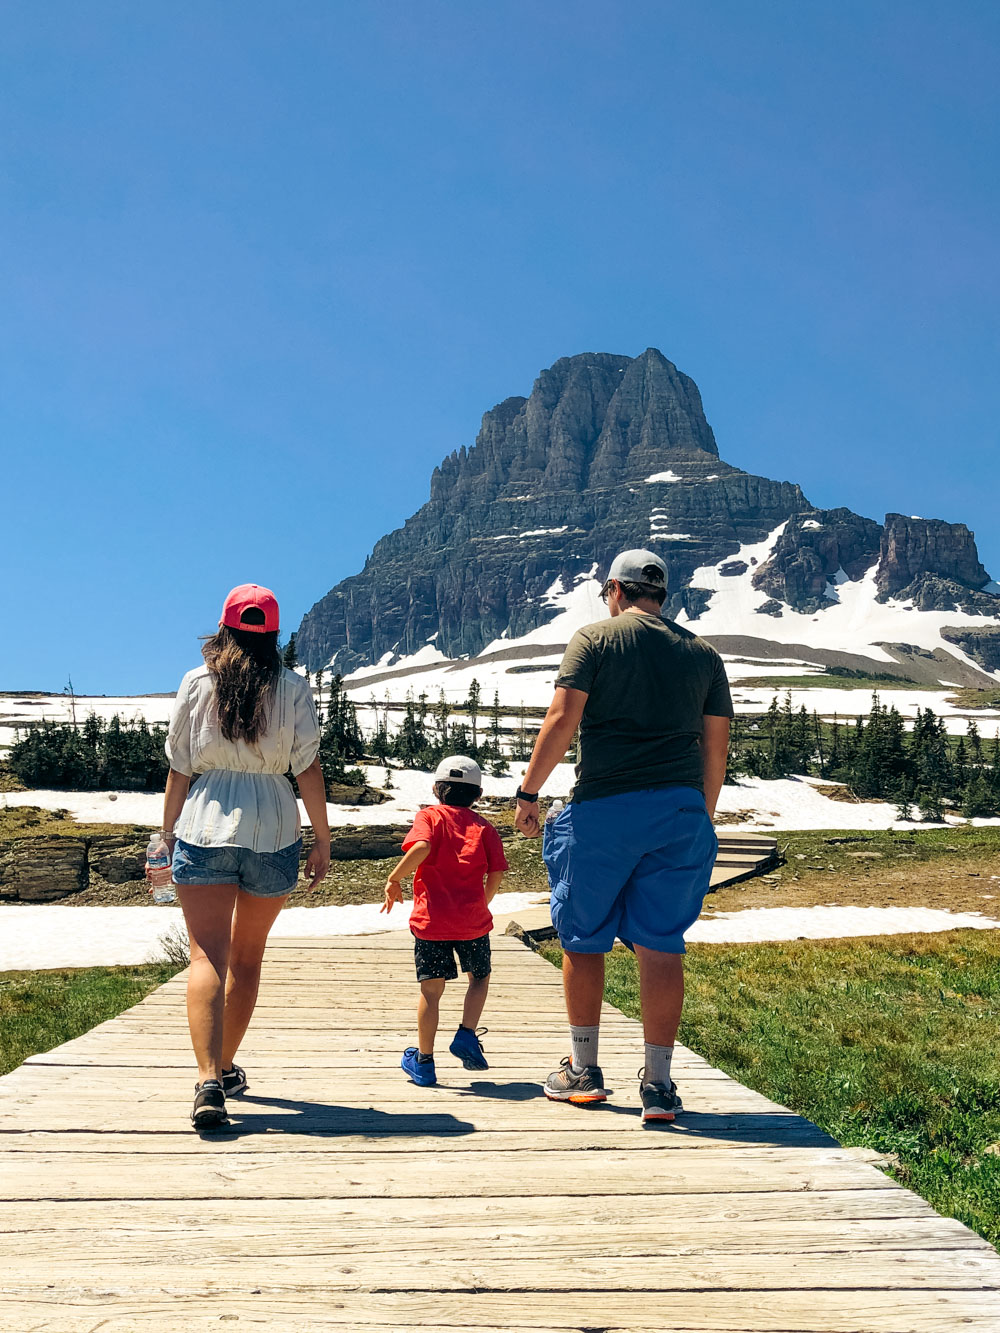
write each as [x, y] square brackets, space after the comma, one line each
[208, 912]
[251, 925]
[427, 1013]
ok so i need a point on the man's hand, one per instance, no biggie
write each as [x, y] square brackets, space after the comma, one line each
[317, 864]
[526, 819]
[393, 894]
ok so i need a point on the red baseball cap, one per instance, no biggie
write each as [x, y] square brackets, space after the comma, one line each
[244, 597]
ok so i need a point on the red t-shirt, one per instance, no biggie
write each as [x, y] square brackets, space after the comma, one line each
[449, 896]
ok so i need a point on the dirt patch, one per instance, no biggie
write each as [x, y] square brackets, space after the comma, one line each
[859, 870]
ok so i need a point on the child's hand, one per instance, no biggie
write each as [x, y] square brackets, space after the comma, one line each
[393, 894]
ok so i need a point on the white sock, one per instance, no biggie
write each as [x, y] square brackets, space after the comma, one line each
[584, 1047]
[657, 1064]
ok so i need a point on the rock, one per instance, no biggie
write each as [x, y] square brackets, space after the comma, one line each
[610, 452]
[118, 860]
[933, 564]
[982, 645]
[361, 842]
[338, 793]
[42, 869]
[812, 551]
[555, 484]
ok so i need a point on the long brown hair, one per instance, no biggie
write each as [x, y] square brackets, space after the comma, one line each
[245, 667]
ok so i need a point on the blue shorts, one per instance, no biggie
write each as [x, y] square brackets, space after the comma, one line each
[261, 874]
[636, 866]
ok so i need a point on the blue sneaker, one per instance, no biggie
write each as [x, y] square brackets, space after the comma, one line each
[420, 1071]
[467, 1047]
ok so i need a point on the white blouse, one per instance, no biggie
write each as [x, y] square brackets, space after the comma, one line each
[240, 796]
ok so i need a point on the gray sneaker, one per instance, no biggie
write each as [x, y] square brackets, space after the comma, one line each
[565, 1085]
[659, 1103]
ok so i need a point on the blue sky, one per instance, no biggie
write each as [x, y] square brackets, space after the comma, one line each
[262, 266]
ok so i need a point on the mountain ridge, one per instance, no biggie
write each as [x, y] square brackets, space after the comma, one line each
[608, 452]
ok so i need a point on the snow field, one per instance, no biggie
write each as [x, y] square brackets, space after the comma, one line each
[49, 936]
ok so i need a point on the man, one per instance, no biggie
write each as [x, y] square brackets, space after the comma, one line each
[632, 853]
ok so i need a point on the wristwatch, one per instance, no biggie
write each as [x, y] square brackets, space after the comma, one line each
[530, 796]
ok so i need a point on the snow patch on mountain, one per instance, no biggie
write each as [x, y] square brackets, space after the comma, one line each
[854, 622]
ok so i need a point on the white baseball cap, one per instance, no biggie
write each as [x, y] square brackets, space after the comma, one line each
[459, 768]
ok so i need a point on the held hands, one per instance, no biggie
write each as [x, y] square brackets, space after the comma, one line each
[526, 819]
[317, 864]
[393, 894]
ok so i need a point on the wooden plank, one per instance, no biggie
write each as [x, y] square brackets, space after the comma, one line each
[264, 1174]
[177, 1138]
[609, 1310]
[741, 1220]
[196, 1273]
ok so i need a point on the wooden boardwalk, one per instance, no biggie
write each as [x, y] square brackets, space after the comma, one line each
[346, 1198]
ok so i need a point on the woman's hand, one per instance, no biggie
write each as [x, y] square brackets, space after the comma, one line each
[160, 876]
[393, 894]
[317, 864]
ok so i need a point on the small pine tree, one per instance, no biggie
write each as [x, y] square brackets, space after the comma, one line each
[290, 657]
[472, 704]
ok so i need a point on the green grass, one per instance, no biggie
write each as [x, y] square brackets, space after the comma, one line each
[31, 821]
[828, 682]
[973, 698]
[891, 1044]
[39, 1010]
[833, 847]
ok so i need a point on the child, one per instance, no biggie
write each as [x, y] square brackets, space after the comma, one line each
[457, 862]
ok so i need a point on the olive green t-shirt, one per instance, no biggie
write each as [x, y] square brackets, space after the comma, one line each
[649, 683]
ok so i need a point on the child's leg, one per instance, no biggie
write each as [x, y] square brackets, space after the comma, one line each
[475, 999]
[427, 1013]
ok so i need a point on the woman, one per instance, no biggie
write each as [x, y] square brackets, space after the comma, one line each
[239, 723]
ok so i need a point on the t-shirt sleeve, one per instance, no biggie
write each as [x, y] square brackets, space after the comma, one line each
[178, 745]
[495, 857]
[421, 830]
[305, 744]
[580, 663]
[719, 702]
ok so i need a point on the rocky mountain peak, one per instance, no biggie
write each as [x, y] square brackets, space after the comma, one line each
[609, 452]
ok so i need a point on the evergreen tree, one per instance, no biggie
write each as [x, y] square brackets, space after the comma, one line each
[290, 657]
[472, 704]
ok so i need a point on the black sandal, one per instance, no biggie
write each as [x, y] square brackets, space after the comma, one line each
[209, 1110]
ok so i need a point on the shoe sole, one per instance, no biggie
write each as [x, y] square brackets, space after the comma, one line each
[468, 1062]
[658, 1117]
[577, 1098]
[209, 1119]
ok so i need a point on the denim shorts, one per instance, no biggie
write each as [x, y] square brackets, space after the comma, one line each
[261, 874]
[635, 866]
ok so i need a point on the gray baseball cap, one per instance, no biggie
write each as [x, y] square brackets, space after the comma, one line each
[459, 768]
[638, 567]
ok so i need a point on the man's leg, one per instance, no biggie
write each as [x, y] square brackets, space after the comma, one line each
[661, 995]
[583, 987]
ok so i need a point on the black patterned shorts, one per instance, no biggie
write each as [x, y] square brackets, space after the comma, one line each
[435, 959]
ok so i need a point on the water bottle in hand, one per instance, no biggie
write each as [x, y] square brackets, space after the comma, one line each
[158, 863]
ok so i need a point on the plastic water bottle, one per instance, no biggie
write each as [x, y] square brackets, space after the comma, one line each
[159, 863]
[555, 809]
